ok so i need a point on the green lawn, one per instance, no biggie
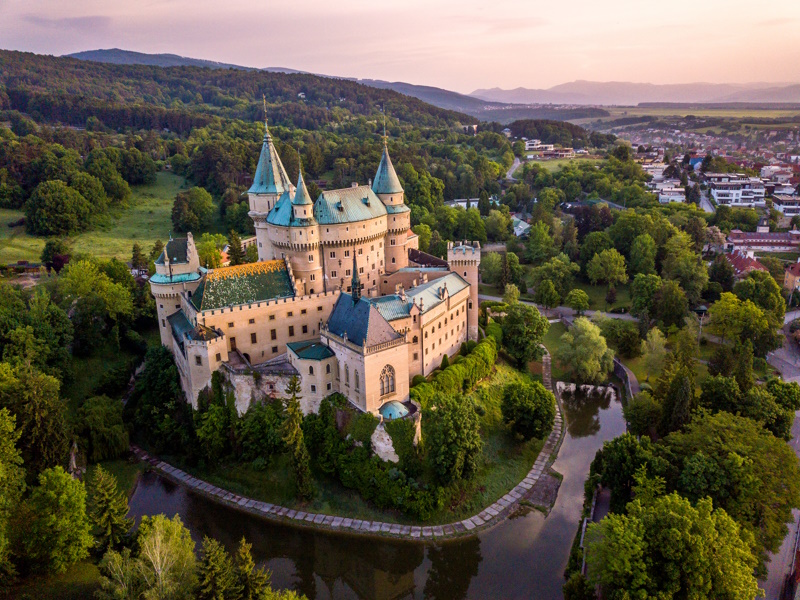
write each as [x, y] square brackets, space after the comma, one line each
[597, 296]
[146, 219]
[79, 582]
[551, 340]
[504, 464]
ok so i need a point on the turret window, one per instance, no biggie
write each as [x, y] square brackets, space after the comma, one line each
[310, 258]
[310, 370]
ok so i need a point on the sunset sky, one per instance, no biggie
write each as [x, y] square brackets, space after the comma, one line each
[456, 44]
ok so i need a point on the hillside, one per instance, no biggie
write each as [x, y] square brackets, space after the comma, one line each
[181, 97]
[117, 56]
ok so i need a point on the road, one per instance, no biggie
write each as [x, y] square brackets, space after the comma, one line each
[705, 204]
[510, 173]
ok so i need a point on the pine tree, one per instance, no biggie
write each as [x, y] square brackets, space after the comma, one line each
[235, 252]
[138, 260]
[293, 437]
[108, 511]
[156, 250]
[218, 580]
[483, 204]
[505, 273]
[445, 362]
[253, 584]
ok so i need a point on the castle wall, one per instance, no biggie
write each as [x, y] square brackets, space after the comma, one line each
[443, 330]
[317, 381]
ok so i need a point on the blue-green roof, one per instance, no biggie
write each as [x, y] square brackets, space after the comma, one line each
[392, 307]
[393, 410]
[182, 328]
[283, 215]
[301, 195]
[348, 205]
[430, 293]
[361, 321]
[243, 284]
[396, 209]
[386, 180]
[180, 278]
[310, 350]
[270, 177]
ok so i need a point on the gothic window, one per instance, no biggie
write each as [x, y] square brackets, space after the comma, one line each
[356, 375]
[387, 380]
[328, 368]
[310, 370]
[346, 375]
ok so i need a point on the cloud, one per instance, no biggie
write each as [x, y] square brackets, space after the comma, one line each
[88, 23]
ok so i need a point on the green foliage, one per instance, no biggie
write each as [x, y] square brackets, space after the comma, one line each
[445, 362]
[102, 427]
[671, 304]
[608, 266]
[108, 509]
[523, 330]
[166, 564]
[577, 300]
[721, 272]
[56, 526]
[236, 254]
[293, 438]
[362, 427]
[546, 294]
[402, 432]
[682, 264]
[192, 210]
[655, 550]
[643, 255]
[622, 335]
[452, 437]
[12, 485]
[530, 409]
[734, 319]
[644, 294]
[510, 294]
[643, 414]
[216, 573]
[56, 209]
[583, 353]
[495, 330]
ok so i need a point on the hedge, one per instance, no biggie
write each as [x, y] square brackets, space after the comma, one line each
[461, 377]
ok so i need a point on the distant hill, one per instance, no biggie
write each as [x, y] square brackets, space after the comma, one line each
[116, 56]
[628, 94]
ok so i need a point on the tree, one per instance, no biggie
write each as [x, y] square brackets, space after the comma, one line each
[734, 319]
[668, 548]
[546, 294]
[609, 267]
[53, 249]
[644, 290]
[454, 441]
[654, 350]
[102, 428]
[684, 265]
[209, 249]
[253, 583]
[529, 409]
[167, 563]
[583, 352]
[108, 509]
[491, 268]
[559, 271]
[192, 210]
[578, 300]
[138, 260]
[761, 288]
[12, 485]
[511, 294]
[498, 225]
[671, 304]
[56, 209]
[91, 188]
[679, 402]
[57, 528]
[540, 243]
[643, 414]
[217, 577]
[293, 438]
[643, 255]
[523, 330]
[721, 272]
[483, 203]
[235, 252]
[594, 243]
[33, 398]
[424, 233]
[743, 468]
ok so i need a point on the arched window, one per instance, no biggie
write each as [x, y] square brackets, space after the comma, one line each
[328, 368]
[346, 375]
[415, 340]
[310, 370]
[387, 380]
[356, 373]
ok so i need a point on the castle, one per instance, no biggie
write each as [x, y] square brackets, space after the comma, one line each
[340, 296]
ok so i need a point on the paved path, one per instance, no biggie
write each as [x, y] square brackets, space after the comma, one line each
[514, 167]
[491, 515]
[563, 311]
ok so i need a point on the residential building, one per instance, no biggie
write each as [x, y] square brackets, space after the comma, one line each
[743, 262]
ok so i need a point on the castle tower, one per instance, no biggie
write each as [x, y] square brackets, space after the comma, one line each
[269, 183]
[387, 187]
[464, 258]
[306, 255]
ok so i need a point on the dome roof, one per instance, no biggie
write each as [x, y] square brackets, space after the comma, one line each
[393, 410]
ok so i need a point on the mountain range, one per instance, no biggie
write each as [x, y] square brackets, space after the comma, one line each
[498, 104]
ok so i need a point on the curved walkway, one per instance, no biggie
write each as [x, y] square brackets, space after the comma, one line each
[490, 516]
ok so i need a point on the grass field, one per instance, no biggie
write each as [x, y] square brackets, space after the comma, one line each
[146, 219]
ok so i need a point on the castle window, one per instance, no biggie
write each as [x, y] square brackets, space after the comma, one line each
[346, 375]
[360, 251]
[329, 386]
[161, 306]
[328, 368]
[291, 330]
[274, 349]
[393, 260]
[333, 254]
[387, 380]
[392, 242]
[303, 311]
[371, 248]
[252, 338]
[305, 328]
[310, 258]
[313, 389]
[415, 340]
[346, 253]
[198, 360]
[230, 324]
[312, 277]
[356, 374]
[273, 334]
[272, 317]
[251, 321]
[360, 269]
[310, 370]
[333, 273]
[290, 314]
[319, 309]
[163, 323]
[218, 357]
[416, 355]
[347, 273]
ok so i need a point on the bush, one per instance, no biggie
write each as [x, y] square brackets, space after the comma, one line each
[418, 379]
[402, 432]
[494, 330]
[529, 409]
[115, 381]
[362, 427]
[102, 428]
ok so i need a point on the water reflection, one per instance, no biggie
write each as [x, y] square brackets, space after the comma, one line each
[520, 558]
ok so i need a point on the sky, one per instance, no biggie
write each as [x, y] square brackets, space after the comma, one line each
[455, 44]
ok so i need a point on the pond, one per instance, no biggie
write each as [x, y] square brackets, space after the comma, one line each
[522, 557]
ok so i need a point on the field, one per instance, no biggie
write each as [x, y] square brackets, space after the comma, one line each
[146, 219]
[556, 164]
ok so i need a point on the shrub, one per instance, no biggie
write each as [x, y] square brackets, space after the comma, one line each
[362, 428]
[417, 380]
[102, 428]
[495, 331]
[529, 409]
[445, 362]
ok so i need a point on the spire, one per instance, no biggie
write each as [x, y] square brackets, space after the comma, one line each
[356, 283]
[301, 196]
[270, 177]
[385, 140]
[386, 180]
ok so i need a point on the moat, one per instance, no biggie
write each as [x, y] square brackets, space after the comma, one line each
[522, 557]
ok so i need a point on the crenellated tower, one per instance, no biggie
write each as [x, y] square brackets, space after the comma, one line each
[305, 254]
[464, 258]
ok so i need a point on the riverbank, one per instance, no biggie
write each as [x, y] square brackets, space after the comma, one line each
[488, 516]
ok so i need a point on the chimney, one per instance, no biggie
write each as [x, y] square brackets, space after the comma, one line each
[354, 184]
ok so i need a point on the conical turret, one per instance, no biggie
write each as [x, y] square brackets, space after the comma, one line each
[270, 177]
[301, 195]
[386, 180]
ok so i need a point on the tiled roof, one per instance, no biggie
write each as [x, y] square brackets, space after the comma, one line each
[743, 264]
[386, 181]
[361, 321]
[310, 350]
[180, 278]
[396, 209]
[794, 269]
[178, 251]
[301, 195]
[424, 259]
[430, 294]
[183, 328]
[243, 284]
[282, 213]
[348, 205]
[392, 307]
[270, 177]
